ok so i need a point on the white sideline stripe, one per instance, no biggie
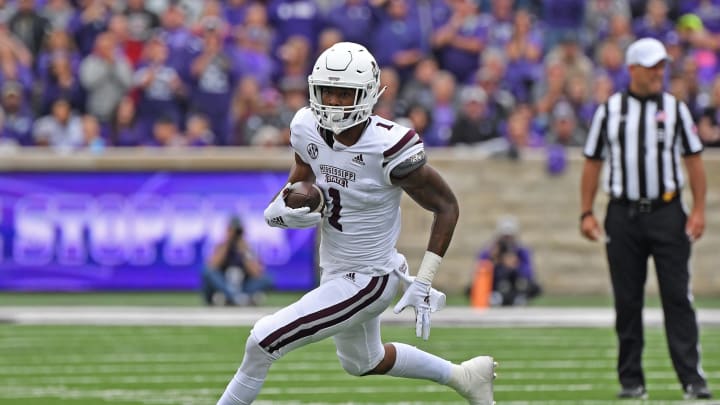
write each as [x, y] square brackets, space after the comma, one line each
[13, 369]
[451, 316]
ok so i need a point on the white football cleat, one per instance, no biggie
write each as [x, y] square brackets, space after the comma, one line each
[476, 385]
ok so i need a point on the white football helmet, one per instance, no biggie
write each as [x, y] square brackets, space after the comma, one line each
[348, 65]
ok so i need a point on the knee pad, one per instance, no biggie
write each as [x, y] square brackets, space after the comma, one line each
[256, 360]
[353, 368]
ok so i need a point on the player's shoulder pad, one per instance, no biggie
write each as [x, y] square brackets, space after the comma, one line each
[303, 118]
[398, 140]
[302, 125]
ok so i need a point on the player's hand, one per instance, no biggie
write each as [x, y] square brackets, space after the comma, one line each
[424, 299]
[279, 215]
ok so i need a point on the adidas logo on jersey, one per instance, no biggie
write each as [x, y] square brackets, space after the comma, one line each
[358, 160]
[350, 276]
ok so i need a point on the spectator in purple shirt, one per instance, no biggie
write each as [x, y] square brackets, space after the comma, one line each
[709, 13]
[61, 81]
[234, 11]
[354, 19]
[428, 14]
[57, 43]
[124, 130]
[89, 21]
[499, 22]
[561, 17]
[460, 40]
[524, 57]
[396, 41]
[610, 62]
[181, 43]
[253, 39]
[443, 110]
[295, 17]
[158, 85]
[655, 22]
[165, 134]
[15, 63]
[198, 132]
[213, 80]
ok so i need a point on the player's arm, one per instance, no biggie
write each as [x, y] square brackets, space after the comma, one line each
[300, 171]
[277, 214]
[426, 187]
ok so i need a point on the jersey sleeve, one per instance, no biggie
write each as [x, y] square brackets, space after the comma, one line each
[406, 151]
[298, 133]
[691, 143]
[596, 139]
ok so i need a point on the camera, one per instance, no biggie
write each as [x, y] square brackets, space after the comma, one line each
[505, 246]
[237, 228]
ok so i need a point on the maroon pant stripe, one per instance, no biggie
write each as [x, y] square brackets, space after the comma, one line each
[271, 342]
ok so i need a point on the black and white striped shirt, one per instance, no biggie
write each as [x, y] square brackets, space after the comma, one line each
[643, 160]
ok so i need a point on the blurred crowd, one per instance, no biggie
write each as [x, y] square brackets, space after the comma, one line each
[500, 75]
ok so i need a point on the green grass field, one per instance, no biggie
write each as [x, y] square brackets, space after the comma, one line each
[90, 365]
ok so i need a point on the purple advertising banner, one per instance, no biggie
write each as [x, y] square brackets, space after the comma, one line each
[78, 231]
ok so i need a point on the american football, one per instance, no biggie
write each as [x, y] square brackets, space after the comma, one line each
[305, 194]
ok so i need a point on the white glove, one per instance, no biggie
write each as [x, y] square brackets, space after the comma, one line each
[424, 299]
[279, 215]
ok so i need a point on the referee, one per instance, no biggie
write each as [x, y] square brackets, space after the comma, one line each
[642, 133]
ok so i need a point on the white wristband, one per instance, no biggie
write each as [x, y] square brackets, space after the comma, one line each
[428, 267]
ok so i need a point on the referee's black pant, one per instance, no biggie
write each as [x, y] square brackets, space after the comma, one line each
[633, 236]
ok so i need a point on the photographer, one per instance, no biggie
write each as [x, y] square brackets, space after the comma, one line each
[233, 270]
[513, 279]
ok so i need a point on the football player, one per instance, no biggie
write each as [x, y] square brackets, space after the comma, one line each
[362, 163]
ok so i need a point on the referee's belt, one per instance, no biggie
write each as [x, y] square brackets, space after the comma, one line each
[647, 204]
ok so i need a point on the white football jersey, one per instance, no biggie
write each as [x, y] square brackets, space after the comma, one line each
[361, 222]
